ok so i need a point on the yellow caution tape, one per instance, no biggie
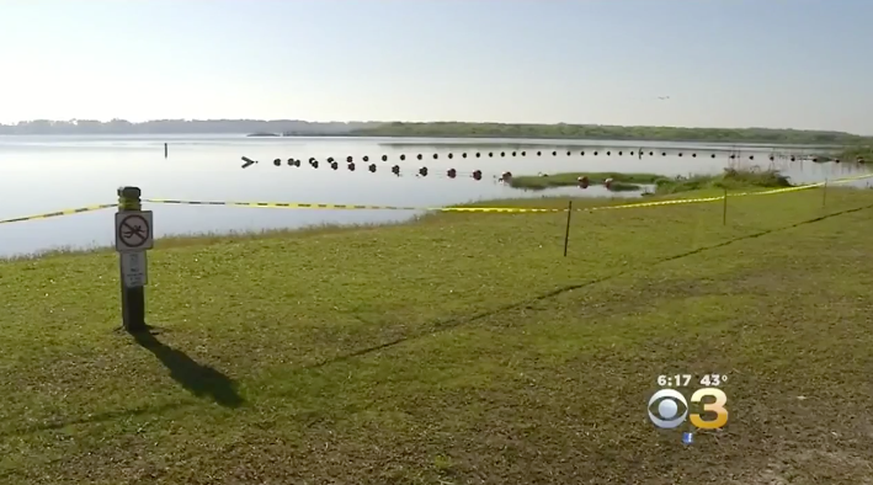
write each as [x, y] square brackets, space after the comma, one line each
[297, 205]
[493, 209]
[804, 187]
[652, 204]
[65, 212]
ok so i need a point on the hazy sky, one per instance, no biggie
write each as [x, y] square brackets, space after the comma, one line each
[775, 63]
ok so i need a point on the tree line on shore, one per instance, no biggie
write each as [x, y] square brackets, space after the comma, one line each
[614, 132]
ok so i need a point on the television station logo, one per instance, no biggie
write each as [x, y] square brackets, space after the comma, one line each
[668, 408]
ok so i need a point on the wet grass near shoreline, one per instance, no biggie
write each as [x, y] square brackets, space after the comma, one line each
[569, 179]
[730, 178]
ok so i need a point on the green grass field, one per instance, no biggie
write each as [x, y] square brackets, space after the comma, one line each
[461, 348]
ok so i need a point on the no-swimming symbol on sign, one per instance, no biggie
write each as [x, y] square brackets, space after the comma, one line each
[133, 231]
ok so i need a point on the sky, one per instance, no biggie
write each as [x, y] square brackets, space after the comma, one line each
[723, 63]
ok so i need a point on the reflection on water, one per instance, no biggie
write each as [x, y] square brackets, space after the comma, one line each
[43, 174]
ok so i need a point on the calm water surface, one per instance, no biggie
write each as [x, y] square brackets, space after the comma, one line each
[43, 174]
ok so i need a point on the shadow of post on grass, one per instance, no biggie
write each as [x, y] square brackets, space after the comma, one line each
[201, 380]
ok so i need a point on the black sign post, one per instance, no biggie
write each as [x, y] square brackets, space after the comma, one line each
[132, 298]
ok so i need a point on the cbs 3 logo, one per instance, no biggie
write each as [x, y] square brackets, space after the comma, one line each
[669, 408]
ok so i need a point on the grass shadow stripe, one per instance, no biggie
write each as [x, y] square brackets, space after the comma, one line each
[445, 325]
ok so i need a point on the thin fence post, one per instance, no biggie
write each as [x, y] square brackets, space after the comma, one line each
[567, 232]
[724, 208]
[824, 194]
[133, 236]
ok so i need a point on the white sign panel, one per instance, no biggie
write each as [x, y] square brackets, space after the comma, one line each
[133, 231]
[133, 269]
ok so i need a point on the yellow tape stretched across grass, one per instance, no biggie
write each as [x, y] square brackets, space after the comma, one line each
[296, 205]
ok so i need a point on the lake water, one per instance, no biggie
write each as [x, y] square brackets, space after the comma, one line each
[41, 174]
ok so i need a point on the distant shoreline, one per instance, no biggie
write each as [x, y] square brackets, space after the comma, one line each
[568, 139]
[438, 130]
[466, 140]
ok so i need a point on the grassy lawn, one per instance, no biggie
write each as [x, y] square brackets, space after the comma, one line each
[462, 348]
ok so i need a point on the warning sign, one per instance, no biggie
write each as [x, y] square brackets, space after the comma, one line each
[133, 231]
[133, 269]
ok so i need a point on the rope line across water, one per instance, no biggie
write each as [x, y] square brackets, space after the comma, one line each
[731, 153]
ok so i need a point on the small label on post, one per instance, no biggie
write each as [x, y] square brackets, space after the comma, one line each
[133, 231]
[133, 269]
